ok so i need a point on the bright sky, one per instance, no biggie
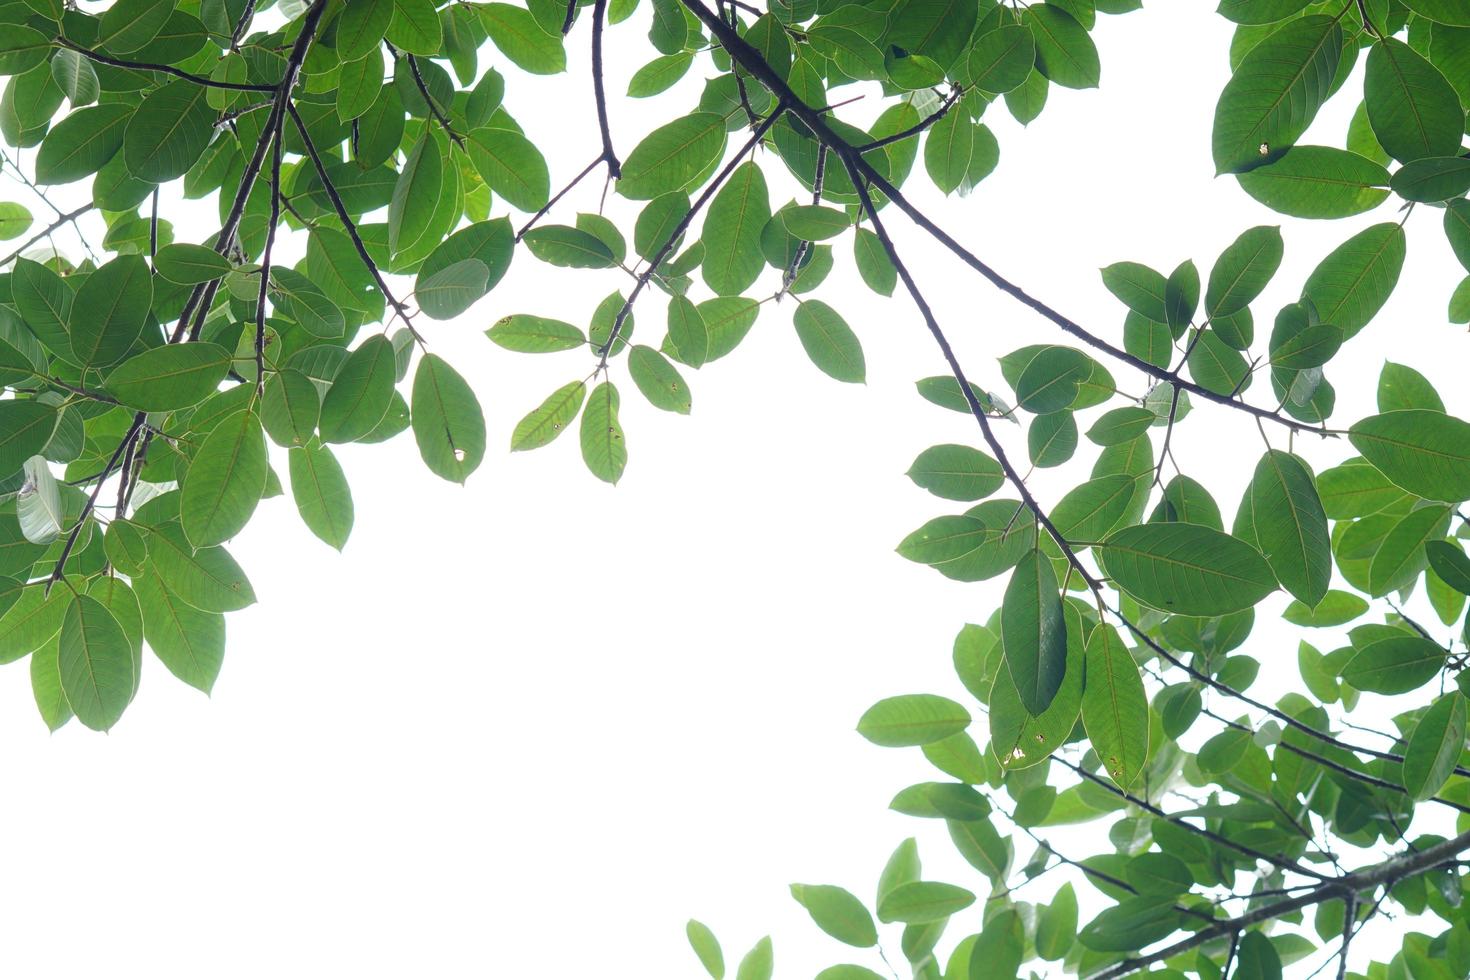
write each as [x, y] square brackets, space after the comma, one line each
[528, 727]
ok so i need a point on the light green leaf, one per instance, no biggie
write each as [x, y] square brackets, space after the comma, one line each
[1065, 53]
[1414, 111]
[322, 495]
[550, 418]
[957, 472]
[1425, 452]
[168, 131]
[224, 481]
[830, 342]
[1291, 526]
[188, 641]
[110, 310]
[516, 33]
[923, 901]
[706, 947]
[512, 166]
[732, 231]
[189, 265]
[535, 335]
[448, 424]
[1434, 747]
[658, 380]
[1318, 182]
[1033, 632]
[1351, 284]
[96, 663]
[361, 391]
[912, 719]
[837, 912]
[603, 448]
[1187, 569]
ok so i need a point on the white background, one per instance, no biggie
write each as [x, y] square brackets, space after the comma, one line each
[528, 727]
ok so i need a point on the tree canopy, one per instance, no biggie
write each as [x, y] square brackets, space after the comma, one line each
[156, 389]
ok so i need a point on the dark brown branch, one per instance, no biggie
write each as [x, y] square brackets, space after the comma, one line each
[748, 57]
[546, 208]
[103, 59]
[44, 232]
[789, 276]
[240, 25]
[265, 263]
[1365, 879]
[678, 232]
[599, 11]
[340, 207]
[422, 86]
[91, 504]
[919, 126]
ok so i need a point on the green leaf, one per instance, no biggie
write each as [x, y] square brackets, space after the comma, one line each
[414, 27]
[1351, 284]
[945, 539]
[568, 247]
[1309, 348]
[1049, 381]
[1092, 509]
[669, 158]
[360, 393]
[511, 165]
[1115, 706]
[830, 342]
[1414, 111]
[706, 947]
[1140, 288]
[1318, 182]
[535, 335]
[168, 132]
[1394, 664]
[947, 151]
[96, 663]
[1275, 93]
[1335, 608]
[80, 144]
[1425, 452]
[837, 912]
[189, 265]
[411, 210]
[290, 407]
[1001, 945]
[814, 223]
[1434, 747]
[732, 231]
[547, 420]
[320, 490]
[188, 641]
[688, 332]
[1432, 180]
[873, 263]
[1121, 425]
[110, 310]
[1001, 59]
[923, 901]
[658, 380]
[129, 25]
[1400, 555]
[1257, 958]
[1291, 526]
[603, 448]
[1065, 53]
[912, 719]
[1056, 924]
[448, 424]
[957, 472]
[1131, 924]
[453, 289]
[225, 481]
[659, 75]
[1187, 569]
[26, 426]
[1401, 387]
[1033, 632]
[516, 33]
[46, 686]
[1243, 270]
[207, 579]
[1450, 564]
[361, 27]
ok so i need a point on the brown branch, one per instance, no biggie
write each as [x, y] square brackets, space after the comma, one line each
[919, 126]
[1354, 883]
[103, 59]
[599, 11]
[49, 229]
[748, 57]
[265, 264]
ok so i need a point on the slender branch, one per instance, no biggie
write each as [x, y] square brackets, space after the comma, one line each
[265, 264]
[1349, 922]
[850, 161]
[242, 24]
[91, 504]
[919, 126]
[347, 223]
[422, 86]
[748, 57]
[599, 11]
[49, 229]
[789, 276]
[566, 24]
[546, 208]
[103, 59]
[1364, 879]
[668, 246]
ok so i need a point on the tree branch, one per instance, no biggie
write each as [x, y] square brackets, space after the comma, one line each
[49, 229]
[103, 59]
[1401, 866]
[748, 57]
